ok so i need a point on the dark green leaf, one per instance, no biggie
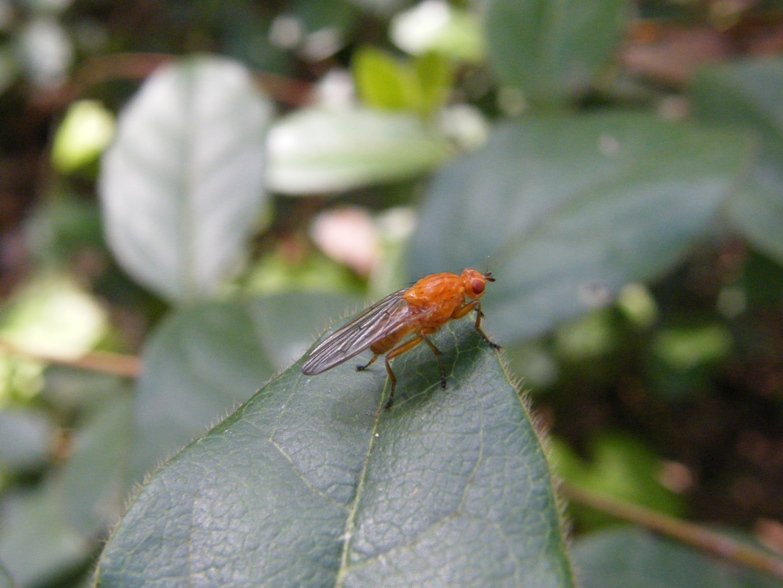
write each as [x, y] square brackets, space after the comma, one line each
[757, 209]
[627, 557]
[311, 484]
[26, 438]
[552, 51]
[53, 530]
[566, 210]
[93, 483]
[747, 94]
[205, 359]
[37, 544]
[182, 185]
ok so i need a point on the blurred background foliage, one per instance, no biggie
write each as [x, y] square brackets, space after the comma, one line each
[207, 185]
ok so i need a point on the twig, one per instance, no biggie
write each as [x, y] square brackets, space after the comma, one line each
[690, 533]
[127, 366]
[132, 66]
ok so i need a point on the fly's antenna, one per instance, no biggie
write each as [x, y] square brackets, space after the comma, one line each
[488, 274]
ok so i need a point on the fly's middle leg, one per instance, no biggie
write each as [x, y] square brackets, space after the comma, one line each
[407, 346]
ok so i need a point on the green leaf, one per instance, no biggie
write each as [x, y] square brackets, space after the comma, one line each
[182, 185]
[629, 557]
[383, 81]
[322, 151]
[434, 77]
[84, 133]
[205, 359]
[93, 483]
[747, 95]
[552, 51]
[310, 483]
[566, 210]
[617, 465]
[757, 209]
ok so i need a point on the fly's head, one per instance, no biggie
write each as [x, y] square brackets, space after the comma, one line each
[475, 282]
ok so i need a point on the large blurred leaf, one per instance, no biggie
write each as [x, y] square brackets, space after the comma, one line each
[320, 150]
[182, 185]
[36, 542]
[6, 581]
[26, 439]
[552, 51]
[627, 557]
[757, 210]
[747, 94]
[311, 484]
[207, 358]
[53, 530]
[565, 210]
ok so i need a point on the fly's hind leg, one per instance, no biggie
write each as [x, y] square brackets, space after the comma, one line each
[361, 368]
[436, 351]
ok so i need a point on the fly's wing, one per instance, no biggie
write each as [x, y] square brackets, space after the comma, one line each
[375, 323]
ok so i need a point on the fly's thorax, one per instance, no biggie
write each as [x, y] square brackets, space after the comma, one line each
[435, 290]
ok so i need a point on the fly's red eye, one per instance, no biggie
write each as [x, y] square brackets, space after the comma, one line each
[477, 285]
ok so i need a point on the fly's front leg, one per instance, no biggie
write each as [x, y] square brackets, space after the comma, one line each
[463, 310]
[479, 316]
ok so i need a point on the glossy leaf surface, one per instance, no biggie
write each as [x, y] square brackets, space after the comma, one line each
[311, 484]
[207, 358]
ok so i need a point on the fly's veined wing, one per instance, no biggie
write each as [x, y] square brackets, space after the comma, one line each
[375, 323]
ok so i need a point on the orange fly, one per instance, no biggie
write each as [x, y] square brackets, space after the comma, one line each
[421, 309]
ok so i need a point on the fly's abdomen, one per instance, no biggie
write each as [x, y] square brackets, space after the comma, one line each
[383, 345]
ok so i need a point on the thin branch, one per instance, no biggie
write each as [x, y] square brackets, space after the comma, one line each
[690, 533]
[128, 366]
[133, 66]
